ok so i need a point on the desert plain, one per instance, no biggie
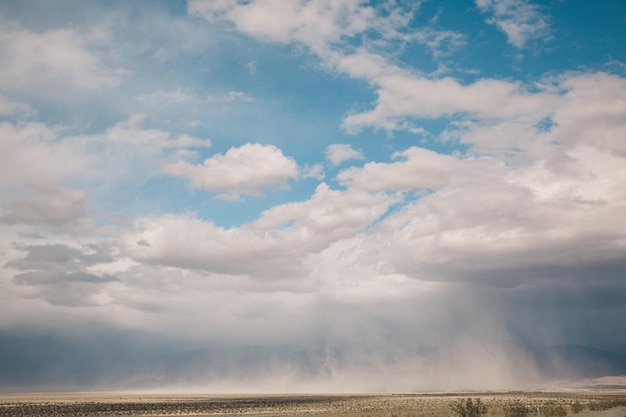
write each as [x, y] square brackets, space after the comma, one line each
[542, 403]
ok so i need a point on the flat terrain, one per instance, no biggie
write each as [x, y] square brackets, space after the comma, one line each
[581, 403]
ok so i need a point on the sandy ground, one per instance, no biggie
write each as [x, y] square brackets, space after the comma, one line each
[612, 412]
[348, 405]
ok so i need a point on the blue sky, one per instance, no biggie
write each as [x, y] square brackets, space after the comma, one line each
[277, 173]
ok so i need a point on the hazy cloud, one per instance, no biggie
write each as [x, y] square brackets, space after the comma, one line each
[8, 107]
[520, 20]
[232, 96]
[441, 43]
[132, 132]
[29, 151]
[61, 55]
[61, 209]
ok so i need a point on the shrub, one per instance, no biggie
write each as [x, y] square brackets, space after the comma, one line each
[554, 409]
[516, 409]
[470, 408]
[577, 407]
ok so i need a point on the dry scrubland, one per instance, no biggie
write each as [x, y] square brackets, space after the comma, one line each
[549, 404]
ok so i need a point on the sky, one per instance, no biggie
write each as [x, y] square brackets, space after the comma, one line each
[309, 195]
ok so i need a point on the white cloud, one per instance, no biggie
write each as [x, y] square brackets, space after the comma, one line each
[246, 170]
[32, 150]
[578, 109]
[403, 95]
[314, 171]
[486, 220]
[274, 245]
[421, 169]
[478, 206]
[520, 20]
[505, 116]
[593, 111]
[130, 131]
[324, 27]
[30, 59]
[32, 153]
[315, 23]
[341, 152]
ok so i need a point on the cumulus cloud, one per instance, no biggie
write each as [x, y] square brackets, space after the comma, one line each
[341, 152]
[520, 20]
[421, 169]
[274, 245]
[245, 170]
[489, 221]
[593, 111]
